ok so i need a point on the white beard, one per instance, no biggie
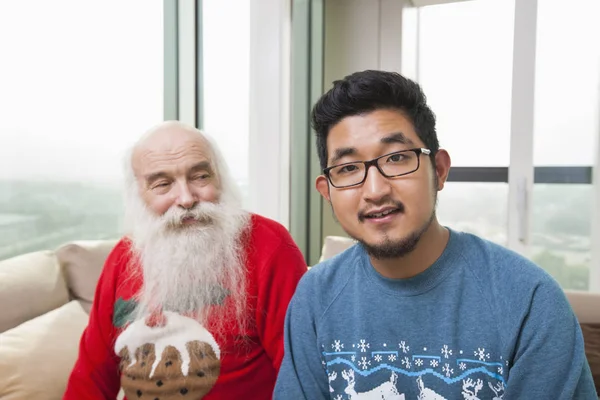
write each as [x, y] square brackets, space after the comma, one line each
[189, 268]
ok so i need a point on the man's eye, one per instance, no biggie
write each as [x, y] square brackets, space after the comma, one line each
[395, 158]
[161, 185]
[201, 177]
[348, 168]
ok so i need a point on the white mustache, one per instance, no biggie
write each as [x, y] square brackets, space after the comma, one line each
[205, 213]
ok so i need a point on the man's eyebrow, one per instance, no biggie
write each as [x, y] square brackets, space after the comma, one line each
[201, 166]
[397, 137]
[150, 178]
[342, 152]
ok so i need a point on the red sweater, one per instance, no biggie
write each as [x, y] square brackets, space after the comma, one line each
[247, 371]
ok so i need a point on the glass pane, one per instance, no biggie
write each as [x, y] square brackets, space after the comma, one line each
[226, 81]
[566, 110]
[465, 68]
[567, 82]
[479, 208]
[74, 96]
[561, 232]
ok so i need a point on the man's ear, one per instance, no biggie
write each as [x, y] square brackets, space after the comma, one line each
[322, 185]
[442, 167]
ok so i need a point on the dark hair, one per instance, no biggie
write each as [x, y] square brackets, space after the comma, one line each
[367, 91]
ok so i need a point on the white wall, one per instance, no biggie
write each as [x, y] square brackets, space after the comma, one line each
[270, 27]
[359, 35]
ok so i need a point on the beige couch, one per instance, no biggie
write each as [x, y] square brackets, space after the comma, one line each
[45, 298]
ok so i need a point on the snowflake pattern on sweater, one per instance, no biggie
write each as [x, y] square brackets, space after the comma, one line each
[472, 377]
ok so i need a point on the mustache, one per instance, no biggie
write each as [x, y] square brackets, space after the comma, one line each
[362, 214]
[205, 213]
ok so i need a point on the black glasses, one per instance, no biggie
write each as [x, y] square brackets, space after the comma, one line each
[389, 165]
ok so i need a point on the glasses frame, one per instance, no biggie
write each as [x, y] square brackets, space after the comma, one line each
[375, 163]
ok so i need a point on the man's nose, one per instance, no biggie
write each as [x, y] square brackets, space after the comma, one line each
[186, 198]
[376, 185]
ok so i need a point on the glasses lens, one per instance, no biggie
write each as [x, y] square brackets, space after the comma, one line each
[399, 163]
[347, 174]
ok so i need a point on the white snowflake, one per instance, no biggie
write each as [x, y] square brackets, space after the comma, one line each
[424, 348]
[363, 363]
[481, 354]
[353, 358]
[434, 363]
[337, 346]
[404, 347]
[406, 362]
[378, 357]
[363, 345]
[447, 370]
[385, 345]
[507, 363]
[462, 366]
[500, 370]
[419, 362]
[392, 357]
[323, 362]
[446, 351]
[338, 397]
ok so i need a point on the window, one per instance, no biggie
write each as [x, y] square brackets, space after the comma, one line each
[80, 82]
[464, 61]
[567, 82]
[475, 207]
[561, 232]
[566, 116]
[458, 71]
[465, 56]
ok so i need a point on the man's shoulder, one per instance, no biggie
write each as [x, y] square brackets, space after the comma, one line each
[122, 249]
[266, 233]
[120, 256]
[497, 265]
[268, 239]
[339, 263]
[331, 276]
[262, 224]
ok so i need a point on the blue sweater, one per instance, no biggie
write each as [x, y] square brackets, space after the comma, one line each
[481, 323]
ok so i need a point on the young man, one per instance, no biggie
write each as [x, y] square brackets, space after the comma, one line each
[191, 303]
[416, 310]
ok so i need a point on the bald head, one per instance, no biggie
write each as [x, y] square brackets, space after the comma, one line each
[174, 164]
[169, 141]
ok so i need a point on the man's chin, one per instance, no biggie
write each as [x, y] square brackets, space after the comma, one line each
[389, 249]
[400, 246]
[386, 247]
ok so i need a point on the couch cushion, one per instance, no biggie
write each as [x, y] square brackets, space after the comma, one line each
[82, 262]
[334, 245]
[36, 358]
[591, 337]
[585, 305]
[30, 285]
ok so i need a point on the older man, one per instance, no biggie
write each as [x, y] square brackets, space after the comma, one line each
[191, 303]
